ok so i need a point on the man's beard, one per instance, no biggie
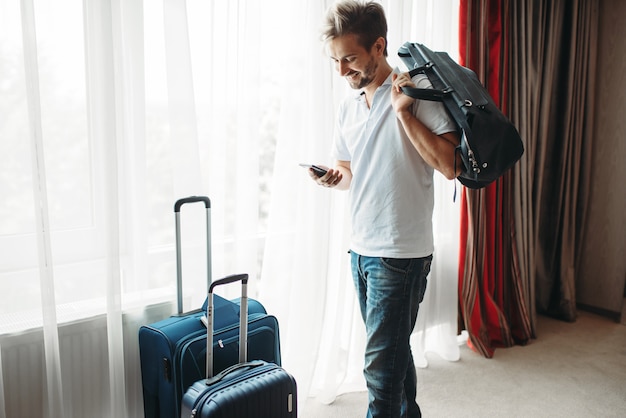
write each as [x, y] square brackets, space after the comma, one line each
[366, 76]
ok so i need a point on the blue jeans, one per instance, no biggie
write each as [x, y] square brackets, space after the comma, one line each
[390, 291]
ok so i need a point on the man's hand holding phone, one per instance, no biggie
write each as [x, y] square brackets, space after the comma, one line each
[323, 176]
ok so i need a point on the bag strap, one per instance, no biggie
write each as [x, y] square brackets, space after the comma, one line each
[433, 95]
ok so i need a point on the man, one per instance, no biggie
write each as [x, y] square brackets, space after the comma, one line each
[386, 146]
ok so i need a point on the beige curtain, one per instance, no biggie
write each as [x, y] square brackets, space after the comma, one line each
[552, 80]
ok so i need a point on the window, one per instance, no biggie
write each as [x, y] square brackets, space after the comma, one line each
[129, 121]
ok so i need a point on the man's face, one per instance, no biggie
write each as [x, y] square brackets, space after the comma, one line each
[353, 62]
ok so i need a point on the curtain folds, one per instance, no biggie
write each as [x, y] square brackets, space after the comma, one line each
[555, 55]
[54, 381]
[523, 234]
[493, 304]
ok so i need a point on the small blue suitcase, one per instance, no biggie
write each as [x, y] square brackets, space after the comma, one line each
[254, 389]
[173, 351]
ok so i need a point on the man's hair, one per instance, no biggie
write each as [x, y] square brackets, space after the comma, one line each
[365, 20]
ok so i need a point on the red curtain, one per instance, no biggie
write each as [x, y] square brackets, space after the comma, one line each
[491, 303]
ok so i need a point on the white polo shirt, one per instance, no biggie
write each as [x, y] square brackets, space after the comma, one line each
[391, 193]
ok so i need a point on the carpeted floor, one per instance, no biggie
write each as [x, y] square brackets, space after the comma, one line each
[571, 370]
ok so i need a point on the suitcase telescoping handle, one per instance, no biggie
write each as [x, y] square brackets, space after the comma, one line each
[243, 320]
[179, 268]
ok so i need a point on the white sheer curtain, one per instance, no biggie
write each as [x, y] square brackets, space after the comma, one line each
[306, 273]
[110, 110]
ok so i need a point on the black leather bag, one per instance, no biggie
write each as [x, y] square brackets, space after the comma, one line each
[490, 144]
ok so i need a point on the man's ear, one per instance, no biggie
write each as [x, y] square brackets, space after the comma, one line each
[379, 45]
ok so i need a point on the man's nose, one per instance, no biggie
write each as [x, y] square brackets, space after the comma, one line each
[342, 68]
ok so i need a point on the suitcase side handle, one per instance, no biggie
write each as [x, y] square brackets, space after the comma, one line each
[179, 267]
[243, 320]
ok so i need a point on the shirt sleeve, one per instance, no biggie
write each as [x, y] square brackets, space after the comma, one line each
[340, 150]
[430, 113]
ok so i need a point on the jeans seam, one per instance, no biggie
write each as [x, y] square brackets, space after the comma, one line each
[397, 338]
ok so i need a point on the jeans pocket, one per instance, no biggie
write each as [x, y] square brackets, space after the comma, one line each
[398, 265]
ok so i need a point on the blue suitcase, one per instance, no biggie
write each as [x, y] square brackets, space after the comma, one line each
[173, 351]
[248, 389]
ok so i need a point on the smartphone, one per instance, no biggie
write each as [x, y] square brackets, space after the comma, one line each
[319, 171]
